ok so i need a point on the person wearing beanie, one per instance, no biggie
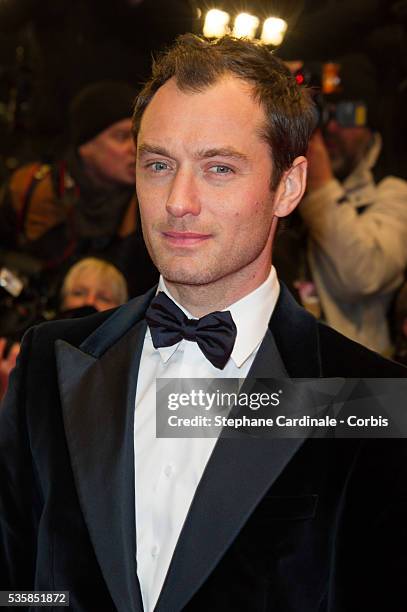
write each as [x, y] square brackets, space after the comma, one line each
[100, 120]
[84, 204]
[356, 226]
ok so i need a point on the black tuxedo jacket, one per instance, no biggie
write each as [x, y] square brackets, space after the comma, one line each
[277, 525]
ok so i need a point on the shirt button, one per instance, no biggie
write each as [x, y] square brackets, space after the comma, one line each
[154, 551]
[168, 471]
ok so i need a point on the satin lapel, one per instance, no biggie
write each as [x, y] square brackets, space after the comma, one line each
[239, 473]
[295, 332]
[98, 388]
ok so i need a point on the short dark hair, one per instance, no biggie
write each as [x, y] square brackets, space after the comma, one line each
[196, 64]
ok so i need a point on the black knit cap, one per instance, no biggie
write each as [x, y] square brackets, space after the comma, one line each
[97, 107]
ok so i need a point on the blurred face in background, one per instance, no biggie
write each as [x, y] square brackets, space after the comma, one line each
[88, 290]
[346, 146]
[96, 283]
[109, 158]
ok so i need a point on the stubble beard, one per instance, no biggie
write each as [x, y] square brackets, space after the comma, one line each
[185, 271]
[203, 270]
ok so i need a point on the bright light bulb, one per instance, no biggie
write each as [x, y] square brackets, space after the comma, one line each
[273, 31]
[216, 23]
[245, 26]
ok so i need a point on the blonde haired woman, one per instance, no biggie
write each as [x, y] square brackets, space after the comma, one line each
[93, 282]
[90, 282]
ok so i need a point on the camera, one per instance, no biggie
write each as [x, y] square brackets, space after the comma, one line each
[324, 80]
[25, 294]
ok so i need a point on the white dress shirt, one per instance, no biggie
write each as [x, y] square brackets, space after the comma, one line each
[168, 470]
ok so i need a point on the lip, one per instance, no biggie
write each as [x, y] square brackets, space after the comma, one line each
[185, 239]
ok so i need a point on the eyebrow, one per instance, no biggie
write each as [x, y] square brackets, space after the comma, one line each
[228, 152]
[144, 149]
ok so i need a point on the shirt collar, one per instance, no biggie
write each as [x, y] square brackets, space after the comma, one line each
[251, 315]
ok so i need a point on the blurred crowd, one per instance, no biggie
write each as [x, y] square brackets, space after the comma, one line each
[70, 231]
[71, 240]
[91, 285]
[344, 255]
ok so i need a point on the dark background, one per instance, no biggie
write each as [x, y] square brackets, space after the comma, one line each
[50, 49]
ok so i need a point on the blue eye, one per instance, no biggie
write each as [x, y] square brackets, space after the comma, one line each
[158, 166]
[218, 169]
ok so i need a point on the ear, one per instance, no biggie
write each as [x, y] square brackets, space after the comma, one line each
[291, 188]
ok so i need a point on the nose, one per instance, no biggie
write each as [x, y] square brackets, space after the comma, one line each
[183, 197]
[90, 299]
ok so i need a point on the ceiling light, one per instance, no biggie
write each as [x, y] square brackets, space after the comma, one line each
[273, 31]
[245, 26]
[216, 23]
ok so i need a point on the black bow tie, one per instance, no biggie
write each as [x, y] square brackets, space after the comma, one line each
[215, 333]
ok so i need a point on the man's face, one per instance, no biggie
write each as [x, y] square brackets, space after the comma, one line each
[346, 147]
[203, 184]
[110, 156]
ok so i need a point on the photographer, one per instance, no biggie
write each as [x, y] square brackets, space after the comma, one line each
[357, 227]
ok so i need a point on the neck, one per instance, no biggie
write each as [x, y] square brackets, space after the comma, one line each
[201, 300]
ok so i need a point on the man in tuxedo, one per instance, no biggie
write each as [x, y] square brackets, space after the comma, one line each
[92, 502]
